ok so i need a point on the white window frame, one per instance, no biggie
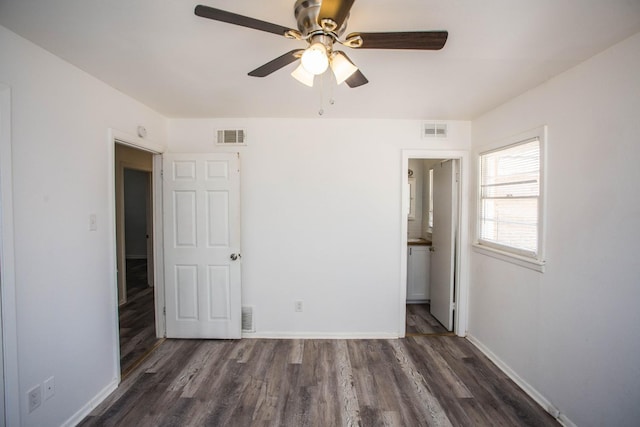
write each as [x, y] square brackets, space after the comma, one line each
[513, 255]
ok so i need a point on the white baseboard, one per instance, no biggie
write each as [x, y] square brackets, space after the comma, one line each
[91, 405]
[530, 390]
[321, 335]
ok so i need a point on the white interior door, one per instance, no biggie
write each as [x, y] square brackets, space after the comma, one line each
[443, 238]
[201, 198]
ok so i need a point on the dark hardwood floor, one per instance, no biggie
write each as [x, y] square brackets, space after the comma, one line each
[416, 381]
[421, 322]
[137, 317]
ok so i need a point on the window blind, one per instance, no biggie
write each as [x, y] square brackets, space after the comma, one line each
[509, 197]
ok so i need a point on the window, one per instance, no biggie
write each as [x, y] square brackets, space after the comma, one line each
[510, 198]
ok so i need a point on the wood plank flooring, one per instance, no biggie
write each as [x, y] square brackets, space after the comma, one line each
[421, 322]
[416, 381]
[137, 317]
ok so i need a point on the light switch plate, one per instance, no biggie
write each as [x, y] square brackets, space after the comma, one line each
[93, 222]
[49, 388]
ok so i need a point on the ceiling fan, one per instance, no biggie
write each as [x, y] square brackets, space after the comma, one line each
[322, 23]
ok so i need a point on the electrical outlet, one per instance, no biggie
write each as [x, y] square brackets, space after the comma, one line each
[34, 396]
[298, 306]
[49, 388]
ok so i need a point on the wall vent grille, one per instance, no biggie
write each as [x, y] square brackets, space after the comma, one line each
[434, 130]
[247, 319]
[232, 137]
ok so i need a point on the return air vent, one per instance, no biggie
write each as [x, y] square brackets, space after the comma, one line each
[434, 130]
[232, 137]
[247, 319]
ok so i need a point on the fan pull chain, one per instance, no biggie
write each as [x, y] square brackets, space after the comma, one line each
[322, 87]
[332, 86]
[321, 110]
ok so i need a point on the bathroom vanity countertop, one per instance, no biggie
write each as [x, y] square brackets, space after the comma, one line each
[418, 242]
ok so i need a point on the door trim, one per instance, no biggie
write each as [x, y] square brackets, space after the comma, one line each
[9, 345]
[114, 137]
[461, 316]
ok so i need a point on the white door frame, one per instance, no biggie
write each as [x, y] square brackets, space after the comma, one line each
[461, 318]
[118, 137]
[9, 345]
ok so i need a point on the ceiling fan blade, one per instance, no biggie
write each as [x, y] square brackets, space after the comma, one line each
[277, 63]
[356, 79]
[336, 10]
[243, 21]
[419, 40]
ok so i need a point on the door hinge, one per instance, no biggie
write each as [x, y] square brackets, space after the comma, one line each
[164, 310]
[457, 176]
[453, 306]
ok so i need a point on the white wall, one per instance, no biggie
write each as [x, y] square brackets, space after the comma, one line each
[573, 332]
[321, 221]
[64, 277]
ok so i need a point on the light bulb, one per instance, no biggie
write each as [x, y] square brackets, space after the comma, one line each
[315, 59]
[342, 67]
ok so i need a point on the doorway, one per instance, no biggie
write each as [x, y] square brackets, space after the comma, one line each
[433, 241]
[134, 241]
[432, 231]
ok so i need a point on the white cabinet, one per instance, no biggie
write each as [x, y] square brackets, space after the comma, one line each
[418, 263]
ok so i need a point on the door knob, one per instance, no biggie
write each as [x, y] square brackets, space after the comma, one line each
[234, 257]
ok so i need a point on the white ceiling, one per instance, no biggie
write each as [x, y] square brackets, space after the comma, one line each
[181, 65]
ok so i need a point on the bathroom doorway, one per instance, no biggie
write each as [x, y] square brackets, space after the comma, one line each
[431, 267]
[432, 250]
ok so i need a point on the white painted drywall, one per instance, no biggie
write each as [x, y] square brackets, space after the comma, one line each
[66, 312]
[321, 218]
[573, 332]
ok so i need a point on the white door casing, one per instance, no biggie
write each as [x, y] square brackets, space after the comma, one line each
[149, 223]
[201, 199]
[10, 413]
[443, 238]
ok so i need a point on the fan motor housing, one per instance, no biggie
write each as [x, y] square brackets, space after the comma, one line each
[306, 13]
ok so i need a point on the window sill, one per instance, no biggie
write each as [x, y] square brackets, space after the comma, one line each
[530, 263]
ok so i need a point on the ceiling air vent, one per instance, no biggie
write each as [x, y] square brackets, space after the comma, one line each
[434, 130]
[247, 319]
[232, 137]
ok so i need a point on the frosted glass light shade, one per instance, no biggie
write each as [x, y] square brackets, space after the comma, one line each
[315, 59]
[303, 76]
[342, 67]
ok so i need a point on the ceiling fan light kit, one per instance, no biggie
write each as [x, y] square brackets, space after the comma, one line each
[315, 59]
[342, 67]
[321, 24]
[303, 76]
